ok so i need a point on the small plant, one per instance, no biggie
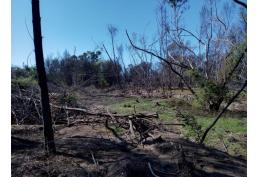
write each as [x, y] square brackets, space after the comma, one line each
[193, 128]
[127, 105]
[118, 130]
[68, 99]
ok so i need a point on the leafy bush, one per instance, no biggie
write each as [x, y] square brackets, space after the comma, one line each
[210, 94]
[24, 82]
[68, 99]
[24, 77]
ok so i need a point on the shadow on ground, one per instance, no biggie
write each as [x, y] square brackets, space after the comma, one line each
[81, 155]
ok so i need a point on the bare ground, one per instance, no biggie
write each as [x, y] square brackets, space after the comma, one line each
[92, 150]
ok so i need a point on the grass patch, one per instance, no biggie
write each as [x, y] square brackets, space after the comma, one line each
[231, 131]
[24, 82]
[118, 130]
[162, 107]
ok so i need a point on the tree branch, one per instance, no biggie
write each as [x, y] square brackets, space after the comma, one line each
[235, 67]
[170, 64]
[241, 3]
[222, 112]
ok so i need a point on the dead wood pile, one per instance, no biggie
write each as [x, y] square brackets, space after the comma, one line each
[26, 109]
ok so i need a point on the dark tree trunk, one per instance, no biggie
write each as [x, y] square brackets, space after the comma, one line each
[42, 80]
[215, 105]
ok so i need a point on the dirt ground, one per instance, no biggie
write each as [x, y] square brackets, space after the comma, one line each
[92, 150]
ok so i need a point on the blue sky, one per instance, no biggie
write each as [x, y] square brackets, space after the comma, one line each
[83, 24]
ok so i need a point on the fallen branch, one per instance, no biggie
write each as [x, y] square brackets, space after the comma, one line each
[224, 145]
[138, 115]
[162, 172]
[131, 128]
[113, 131]
[151, 170]
[93, 158]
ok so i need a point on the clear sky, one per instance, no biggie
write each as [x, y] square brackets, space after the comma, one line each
[67, 24]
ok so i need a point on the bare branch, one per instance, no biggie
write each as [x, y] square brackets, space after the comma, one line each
[170, 64]
[107, 53]
[241, 3]
[193, 35]
[155, 55]
[151, 170]
[216, 11]
[28, 31]
[234, 68]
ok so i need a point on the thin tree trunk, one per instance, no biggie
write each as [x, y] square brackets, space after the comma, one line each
[42, 80]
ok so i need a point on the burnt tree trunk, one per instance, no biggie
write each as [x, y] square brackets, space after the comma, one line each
[42, 80]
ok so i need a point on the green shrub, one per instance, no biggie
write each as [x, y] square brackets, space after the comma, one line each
[69, 99]
[24, 82]
[196, 104]
[209, 93]
[23, 77]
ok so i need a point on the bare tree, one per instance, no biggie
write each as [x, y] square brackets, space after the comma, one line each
[113, 32]
[42, 80]
[218, 46]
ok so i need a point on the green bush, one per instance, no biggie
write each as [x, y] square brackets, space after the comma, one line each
[24, 82]
[69, 99]
[24, 77]
[209, 93]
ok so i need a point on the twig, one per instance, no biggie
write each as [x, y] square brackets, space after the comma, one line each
[151, 170]
[224, 145]
[93, 158]
[131, 128]
[40, 116]
[165, 173]
[28, 31]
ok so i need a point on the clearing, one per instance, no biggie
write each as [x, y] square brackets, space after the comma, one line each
[89, 148]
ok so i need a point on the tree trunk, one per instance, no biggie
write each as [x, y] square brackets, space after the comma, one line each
[215, 105]
[42, 80]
